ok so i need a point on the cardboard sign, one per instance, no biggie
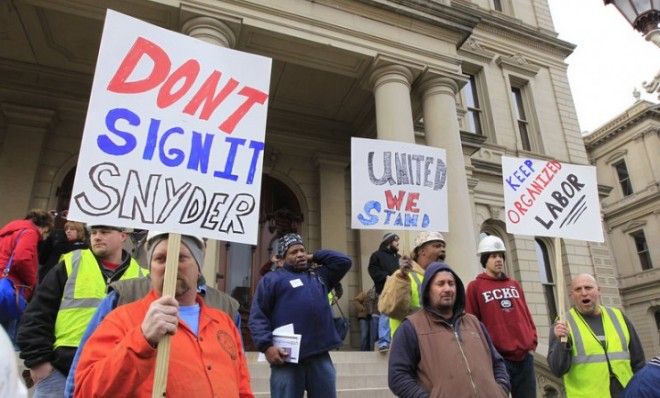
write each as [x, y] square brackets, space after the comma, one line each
[549, 198]
[398, 186]
[174, 135]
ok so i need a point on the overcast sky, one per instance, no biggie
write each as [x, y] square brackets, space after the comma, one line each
[610, 60]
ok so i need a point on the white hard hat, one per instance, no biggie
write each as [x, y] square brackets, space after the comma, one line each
[491, 244]
[153, 234]
[425, 237]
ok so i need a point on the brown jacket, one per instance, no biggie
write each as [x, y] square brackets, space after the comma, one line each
[454, 365]
[394, 300]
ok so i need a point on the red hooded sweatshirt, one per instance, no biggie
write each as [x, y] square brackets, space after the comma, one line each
[23, 271]
[501, 306]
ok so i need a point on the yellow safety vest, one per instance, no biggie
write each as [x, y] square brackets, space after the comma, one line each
[84, 289]
[415, 283]
[588, 375]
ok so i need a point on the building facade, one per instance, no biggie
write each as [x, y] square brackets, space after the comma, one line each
[625, 153]
[480, 78]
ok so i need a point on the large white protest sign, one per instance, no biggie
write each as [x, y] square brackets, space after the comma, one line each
[398, 186]
[549, 198]
[174, 135]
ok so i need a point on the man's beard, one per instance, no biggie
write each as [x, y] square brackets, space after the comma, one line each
[442, 256]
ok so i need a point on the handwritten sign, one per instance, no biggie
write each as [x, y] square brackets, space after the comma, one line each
[174, 135]
[549, 198]
[398, 186]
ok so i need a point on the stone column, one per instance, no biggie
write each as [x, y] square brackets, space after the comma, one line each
[391, 85]
[333, 202]
[216, 32]
[394, 122]
[333, 221]
[442, 130]
[20, 152]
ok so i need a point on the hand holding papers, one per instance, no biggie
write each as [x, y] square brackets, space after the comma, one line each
[286, 340]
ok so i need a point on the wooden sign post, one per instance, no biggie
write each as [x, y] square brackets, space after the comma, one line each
[169, 289]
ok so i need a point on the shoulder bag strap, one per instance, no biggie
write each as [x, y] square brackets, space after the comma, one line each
[11, 257]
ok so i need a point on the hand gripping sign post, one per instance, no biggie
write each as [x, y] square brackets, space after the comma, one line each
[173, 141]
[398, 186]
[549, 198]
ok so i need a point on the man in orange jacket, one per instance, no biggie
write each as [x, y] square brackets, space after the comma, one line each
[206, 356]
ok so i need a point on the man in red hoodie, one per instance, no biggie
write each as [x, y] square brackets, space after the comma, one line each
[499, 303]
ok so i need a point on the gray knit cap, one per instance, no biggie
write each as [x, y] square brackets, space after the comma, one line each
[194, 244]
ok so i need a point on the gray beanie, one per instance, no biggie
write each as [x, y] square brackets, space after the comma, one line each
[193, 244]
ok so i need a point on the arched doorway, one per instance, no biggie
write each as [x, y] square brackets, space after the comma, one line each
[279, 214]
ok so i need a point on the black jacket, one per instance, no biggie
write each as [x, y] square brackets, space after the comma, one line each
[52, 248]
[36, 332]
[382, 263]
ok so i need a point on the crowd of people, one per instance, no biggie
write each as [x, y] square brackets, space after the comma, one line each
[87, 320]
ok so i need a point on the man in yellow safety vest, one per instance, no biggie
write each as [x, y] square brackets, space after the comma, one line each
[64, 303]
[603, 349]
[400, 295]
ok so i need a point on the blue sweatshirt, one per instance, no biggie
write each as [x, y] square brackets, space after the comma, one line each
[299, 297]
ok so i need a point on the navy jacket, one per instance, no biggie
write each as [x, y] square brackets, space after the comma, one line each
[299, 297]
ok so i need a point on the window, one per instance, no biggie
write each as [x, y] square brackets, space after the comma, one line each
[624, 177]
[642, 249]
[497, 5]
[547, 280]
[521, 117]
[473, 116]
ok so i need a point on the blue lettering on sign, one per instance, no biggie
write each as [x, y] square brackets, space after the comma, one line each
[106, 144]
[369, 207]
[120, 140]
[520, 174]
[374, 213]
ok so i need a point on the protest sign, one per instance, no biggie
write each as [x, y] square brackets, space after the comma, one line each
[549, 198]
[174, 135]
[398, 186]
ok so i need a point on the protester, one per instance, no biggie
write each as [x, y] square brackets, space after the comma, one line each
[297, 294]
[646, 382]
[19, 262]
[400, 295]
[383, 263]
[206, 354]
[365, 308]
[52, 248]
[57, 316]
[603, 349]
[130, 290]
[499, 303]
[441, 351]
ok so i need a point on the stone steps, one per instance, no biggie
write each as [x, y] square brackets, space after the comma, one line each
[359, 374]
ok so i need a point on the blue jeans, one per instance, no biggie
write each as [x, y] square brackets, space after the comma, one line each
[51, 387]
[523, 379]
[373, 331]
[365, 334]
[383, 331]
[315, 374]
